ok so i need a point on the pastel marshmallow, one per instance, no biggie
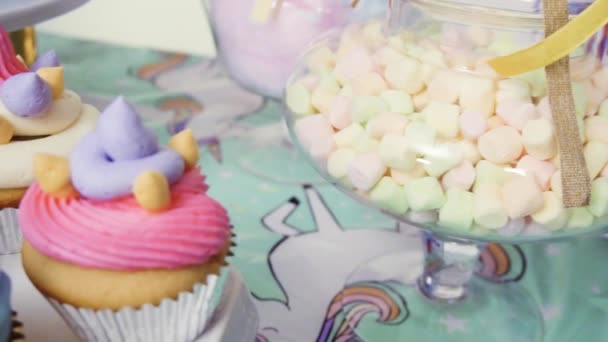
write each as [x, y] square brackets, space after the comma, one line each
[346, 90]
[457, 212]
[356, 62]
[473, 123]
[321, 149]
[543, 108]
[312, 128]
[427, 73]
[404, 75]
[322, 99]
[521, 196]
[483, 68]
[366, 144]
[513, 227]
[442, 158]
[495, 121]
[386, 123]
[421, 100]
[425, 194]
[488, 209]
[338, 162]
[349, 136]
[500, 145]
[396, 153]
[387, 55]
[538, 138]
[443, 118]
[298, 99]
[516, 114]
[366, 107]
[556, 183]
[598, 202]
[513, 89]
[537, 81]
[552, 215]
[405, 177]
[477, 93]
[469, 151]
[444, 87]
[398, 101]
[432, 55]
[339, 112]
[390, 196]
[596, 129]
[488, 173]
[321, 59]
[580, 95]
[541, 170]
[595, 97]
[461, 177]
[373, 34]
[596, 156]
[421, 137]
[579, 218]
[604, 172]
[365, 171]
[370, 83]
[310, 81]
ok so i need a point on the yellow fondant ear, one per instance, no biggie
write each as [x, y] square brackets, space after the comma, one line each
[54, 77]
[53, 175]
[6, 131]
[151, 191]
[185, 144]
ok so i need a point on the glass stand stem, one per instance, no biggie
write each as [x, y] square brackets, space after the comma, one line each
[448, 268]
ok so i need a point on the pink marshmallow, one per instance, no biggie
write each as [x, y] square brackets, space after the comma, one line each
[312, 128]
[516, 113]
[386, 123]
[365, 171]
[540, 169]
[473, 123]
[544, 109]
[604, 172]
[370, 83]
[583, 67]
[310, 81]
[321, 149]
[595, 96]
[339, 112]
[461, 177]
[355, 63]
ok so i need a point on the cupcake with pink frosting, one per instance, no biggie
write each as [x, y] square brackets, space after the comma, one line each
[122, 237]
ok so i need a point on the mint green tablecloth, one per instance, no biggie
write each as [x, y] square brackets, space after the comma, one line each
[297, 245]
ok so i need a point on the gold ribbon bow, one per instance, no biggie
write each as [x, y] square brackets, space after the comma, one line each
[561, 38]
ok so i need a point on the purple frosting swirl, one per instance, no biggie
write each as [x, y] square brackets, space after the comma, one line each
[47, 59]
[106, 162]
[26, 94]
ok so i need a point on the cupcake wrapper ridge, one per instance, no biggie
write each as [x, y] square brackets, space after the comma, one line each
[179, 320]
[10, 234]
[16, 329]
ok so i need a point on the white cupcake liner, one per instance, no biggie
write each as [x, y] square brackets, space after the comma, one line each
[179, 320]
[10, 235]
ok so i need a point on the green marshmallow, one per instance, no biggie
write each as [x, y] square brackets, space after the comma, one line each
[579, 218]
[598, 203]
[425, 194]
[580, 98]
[457, 212]
[389, 195]
[366, 107]
[398, 101]
[299, 99]
[537, 81]
[350, 135]
[490, 173]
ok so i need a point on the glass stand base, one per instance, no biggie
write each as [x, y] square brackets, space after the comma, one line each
[391, 307]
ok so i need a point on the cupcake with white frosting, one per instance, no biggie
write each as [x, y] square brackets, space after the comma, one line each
[37, 115]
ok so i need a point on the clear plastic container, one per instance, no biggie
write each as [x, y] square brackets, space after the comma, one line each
[407, 116]
[261, 51]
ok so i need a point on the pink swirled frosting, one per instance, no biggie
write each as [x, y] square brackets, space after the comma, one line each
[120, 235]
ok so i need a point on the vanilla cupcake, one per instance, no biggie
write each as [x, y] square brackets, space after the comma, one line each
[37, 115]
[122, 237]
